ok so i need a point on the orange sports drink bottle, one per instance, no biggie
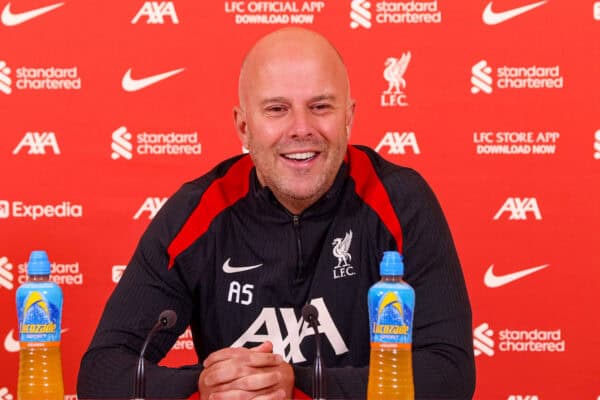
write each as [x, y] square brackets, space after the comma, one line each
[391, 305]
[39, 310]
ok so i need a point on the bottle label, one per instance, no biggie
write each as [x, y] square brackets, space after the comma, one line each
[39, 313]
[391, 317]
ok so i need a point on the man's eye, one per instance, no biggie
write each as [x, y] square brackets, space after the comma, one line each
[322, 107]
[275, 109]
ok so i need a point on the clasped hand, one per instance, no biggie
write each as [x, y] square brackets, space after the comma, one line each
[241, 374]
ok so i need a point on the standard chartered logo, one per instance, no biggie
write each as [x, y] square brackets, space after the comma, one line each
[126, 144]
[5, 80]
[597, 145]
[6, 276]
[121, 144]
[482, 340]
[513, 340]
[360, 14]
[481, 78]
[5, 394]
[39, 78]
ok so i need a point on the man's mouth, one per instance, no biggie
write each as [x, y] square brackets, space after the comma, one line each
[304, 156]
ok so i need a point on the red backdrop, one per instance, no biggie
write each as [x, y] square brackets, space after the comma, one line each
[497, 106]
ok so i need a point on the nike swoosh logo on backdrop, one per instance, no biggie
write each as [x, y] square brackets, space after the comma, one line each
[491, 17]
[228, 269]
[131, 85]
[494, 281]
[11, 19]
[10, 343]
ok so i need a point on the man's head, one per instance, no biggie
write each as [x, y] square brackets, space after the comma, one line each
[295, 114]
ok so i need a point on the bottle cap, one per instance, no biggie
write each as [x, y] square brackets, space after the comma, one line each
[38, 263]
[391, 264]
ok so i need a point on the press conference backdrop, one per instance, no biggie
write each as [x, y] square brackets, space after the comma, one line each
[107, 107]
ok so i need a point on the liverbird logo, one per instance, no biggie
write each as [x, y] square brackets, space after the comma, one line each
[341, 249]
[394, 73]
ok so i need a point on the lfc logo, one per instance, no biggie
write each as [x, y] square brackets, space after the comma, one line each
[341, 251]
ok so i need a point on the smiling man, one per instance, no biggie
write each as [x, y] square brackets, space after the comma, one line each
[238, 252]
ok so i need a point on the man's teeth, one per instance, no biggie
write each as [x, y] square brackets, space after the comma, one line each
[301, 156]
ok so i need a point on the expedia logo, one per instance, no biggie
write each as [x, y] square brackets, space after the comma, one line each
[19, 209]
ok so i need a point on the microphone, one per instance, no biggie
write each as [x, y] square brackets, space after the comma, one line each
[166, 320]
[311, 316]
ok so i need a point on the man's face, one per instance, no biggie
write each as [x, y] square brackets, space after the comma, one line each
[295, 118]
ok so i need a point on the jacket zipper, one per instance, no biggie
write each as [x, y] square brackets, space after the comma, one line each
[299, 264]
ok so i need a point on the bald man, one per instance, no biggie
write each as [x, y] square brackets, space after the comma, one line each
[238, 252]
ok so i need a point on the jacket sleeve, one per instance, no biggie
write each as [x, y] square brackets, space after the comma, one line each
[443, 358]
[146, 288]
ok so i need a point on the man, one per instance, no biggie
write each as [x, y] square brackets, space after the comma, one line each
[239, 251]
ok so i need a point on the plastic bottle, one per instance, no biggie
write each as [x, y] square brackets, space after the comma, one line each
[39, 310]
[391, 304]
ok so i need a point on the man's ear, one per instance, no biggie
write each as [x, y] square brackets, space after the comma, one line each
[241, 127]
[350, 118]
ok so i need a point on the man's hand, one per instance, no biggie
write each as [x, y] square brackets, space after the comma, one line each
[240, 373]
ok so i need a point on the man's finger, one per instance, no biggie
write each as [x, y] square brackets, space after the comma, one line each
[276, 395]
[253, 358]
[266, 347]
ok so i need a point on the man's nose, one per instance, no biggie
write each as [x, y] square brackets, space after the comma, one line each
[301, 123]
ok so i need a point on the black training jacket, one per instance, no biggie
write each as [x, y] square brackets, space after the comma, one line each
[238, 267]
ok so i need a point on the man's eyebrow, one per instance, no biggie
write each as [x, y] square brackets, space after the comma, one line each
[322, 97]
[281, 99]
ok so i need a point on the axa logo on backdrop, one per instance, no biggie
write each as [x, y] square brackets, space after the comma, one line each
[393, 73]
[20, 209]
[517, 340]
[151, 206]
[398, 142]
[519, 208]
[38, 142]
[155, 12]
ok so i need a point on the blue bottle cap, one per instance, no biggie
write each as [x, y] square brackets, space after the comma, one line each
[391, 264]
[38, 263]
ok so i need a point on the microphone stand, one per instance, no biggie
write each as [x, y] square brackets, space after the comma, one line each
[166, 319]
